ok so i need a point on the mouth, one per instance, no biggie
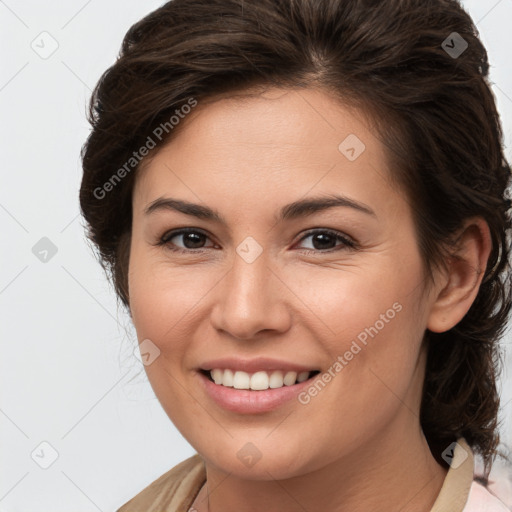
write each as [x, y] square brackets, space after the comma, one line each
[257, 381]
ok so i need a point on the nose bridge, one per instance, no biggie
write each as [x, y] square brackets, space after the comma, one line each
[249, 300]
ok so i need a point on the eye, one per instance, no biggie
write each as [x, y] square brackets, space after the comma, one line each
[192, 239]
[325, 238]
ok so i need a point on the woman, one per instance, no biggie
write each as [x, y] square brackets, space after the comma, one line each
[231, 141]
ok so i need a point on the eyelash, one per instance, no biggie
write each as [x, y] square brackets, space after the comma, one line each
[347, 242]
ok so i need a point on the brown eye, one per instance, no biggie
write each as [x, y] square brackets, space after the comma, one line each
[325, 240]
[191, 239]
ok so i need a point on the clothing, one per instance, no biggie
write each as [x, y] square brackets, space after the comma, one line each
[176, 490]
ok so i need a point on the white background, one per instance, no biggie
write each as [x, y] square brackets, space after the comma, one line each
[68, 376]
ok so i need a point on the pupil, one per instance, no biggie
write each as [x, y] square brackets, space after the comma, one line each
[188, 238]
[193, 241]
[324, 237]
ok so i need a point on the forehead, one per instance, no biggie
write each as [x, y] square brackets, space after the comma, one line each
[298, 140]
[285, 119]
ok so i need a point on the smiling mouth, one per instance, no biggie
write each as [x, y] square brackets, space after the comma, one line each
[258, 381]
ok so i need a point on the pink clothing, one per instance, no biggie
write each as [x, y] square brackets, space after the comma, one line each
[481, 500]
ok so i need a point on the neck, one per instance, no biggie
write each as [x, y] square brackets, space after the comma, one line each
[392, 472]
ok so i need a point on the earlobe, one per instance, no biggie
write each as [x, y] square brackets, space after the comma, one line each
[465, 271]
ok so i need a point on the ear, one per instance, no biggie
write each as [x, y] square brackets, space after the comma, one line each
[461, 281]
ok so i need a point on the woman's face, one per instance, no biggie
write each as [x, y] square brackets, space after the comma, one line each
[331, 289]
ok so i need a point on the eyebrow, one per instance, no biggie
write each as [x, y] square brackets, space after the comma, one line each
[297, 209]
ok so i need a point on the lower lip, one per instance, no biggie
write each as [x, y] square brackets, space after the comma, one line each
[245, 401]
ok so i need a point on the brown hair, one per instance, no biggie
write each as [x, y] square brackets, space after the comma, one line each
[430, 100]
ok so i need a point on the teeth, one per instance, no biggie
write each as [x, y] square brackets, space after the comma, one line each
[290, 378]
[241, 380]
[276, 380]
[302, 376]
[217, 376]
[258, 381]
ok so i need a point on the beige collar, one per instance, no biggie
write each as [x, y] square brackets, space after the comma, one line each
[176, 490]
[457, 483]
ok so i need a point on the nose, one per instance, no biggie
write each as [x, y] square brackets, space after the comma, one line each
[250, 299]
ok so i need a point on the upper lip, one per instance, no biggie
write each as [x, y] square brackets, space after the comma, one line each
[254, 365]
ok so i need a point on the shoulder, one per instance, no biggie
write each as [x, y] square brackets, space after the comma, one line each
[480, 499]
[172, 491]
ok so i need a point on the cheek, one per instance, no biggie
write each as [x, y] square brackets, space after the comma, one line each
[162, 304]
[367, 321]
[355, 302]
[164, 299]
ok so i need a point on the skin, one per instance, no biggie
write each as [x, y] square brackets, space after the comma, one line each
[247, 158]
